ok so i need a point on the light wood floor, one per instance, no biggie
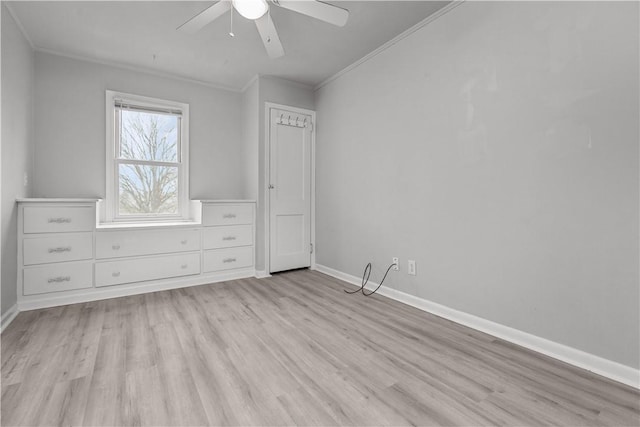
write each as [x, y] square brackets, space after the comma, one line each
[291, 349]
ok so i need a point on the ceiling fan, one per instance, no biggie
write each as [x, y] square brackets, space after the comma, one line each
[258, 11]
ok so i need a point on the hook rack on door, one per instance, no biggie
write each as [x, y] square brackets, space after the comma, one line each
[293, 120]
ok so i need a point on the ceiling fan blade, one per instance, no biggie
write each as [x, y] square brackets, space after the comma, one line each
[269, 36]
[205, 17]
[316, 9]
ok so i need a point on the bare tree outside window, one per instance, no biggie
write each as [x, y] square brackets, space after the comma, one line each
[148, 163]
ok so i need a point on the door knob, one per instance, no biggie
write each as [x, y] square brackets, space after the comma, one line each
[271, 187]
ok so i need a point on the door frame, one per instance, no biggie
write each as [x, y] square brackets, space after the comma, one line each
[267, 173]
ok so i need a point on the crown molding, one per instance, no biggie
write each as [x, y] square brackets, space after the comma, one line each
[114, 64]
[145, 70]
[251, 81]
[257, 77]
[439, 13]
[288, 81]
[18, 23]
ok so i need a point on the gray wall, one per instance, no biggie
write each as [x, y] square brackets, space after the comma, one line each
[250, 112]
[17, 147]
[278, 91]
[70, 128]
[498, 147]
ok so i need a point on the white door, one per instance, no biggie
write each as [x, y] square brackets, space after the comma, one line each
[289, 190]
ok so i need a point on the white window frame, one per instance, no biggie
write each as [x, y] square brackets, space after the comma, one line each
[111, 195]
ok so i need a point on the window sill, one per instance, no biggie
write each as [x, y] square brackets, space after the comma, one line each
[145, 225]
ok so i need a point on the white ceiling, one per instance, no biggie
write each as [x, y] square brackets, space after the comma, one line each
[143, 34]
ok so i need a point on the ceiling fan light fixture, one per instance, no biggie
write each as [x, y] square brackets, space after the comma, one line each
[251, 9]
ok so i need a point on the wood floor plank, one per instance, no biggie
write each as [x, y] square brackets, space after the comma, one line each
[292, 349]
[105, 400]
[143, 405]
[183, 403]
[66, 403]
[206, 362]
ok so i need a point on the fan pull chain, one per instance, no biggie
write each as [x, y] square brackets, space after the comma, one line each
[269, 13]
[231, 30]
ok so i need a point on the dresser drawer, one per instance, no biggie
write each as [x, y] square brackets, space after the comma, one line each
[114, 244]
[227, 214]
[57, 219]
[227, 236]
[142, 269]
[227, 259]
[57, 277]
[57, 248]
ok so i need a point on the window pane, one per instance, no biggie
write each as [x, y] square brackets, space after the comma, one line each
[149, 136]
[148, 189]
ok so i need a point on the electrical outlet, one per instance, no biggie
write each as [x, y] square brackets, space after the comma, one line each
[411, 267]
[26, 179]
[396, 267]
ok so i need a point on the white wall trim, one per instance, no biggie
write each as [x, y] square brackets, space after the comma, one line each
[261, 274]
[448, 8]
[267, 178]
[108, 207]
[596, 364]
[18, 23]
[251, 81]
[8, 317]
[290, 82]
[116, 291]
[256, 77]
[137, 69]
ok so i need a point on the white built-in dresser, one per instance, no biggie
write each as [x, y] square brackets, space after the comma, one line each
[66, 256]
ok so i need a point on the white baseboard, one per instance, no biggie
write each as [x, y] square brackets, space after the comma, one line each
[116, 291]
[596, 364]
[8, 317]
[261, 274]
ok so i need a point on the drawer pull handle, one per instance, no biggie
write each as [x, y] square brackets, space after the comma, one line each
[59, 220]
[183, 266]
[115, 247]
[59, 279]
[60, 249]
[229, 238]
[115, 274]
[228, 260]
[184, 242]
[229, 216]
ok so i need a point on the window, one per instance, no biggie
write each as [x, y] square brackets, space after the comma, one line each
[147, 159]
